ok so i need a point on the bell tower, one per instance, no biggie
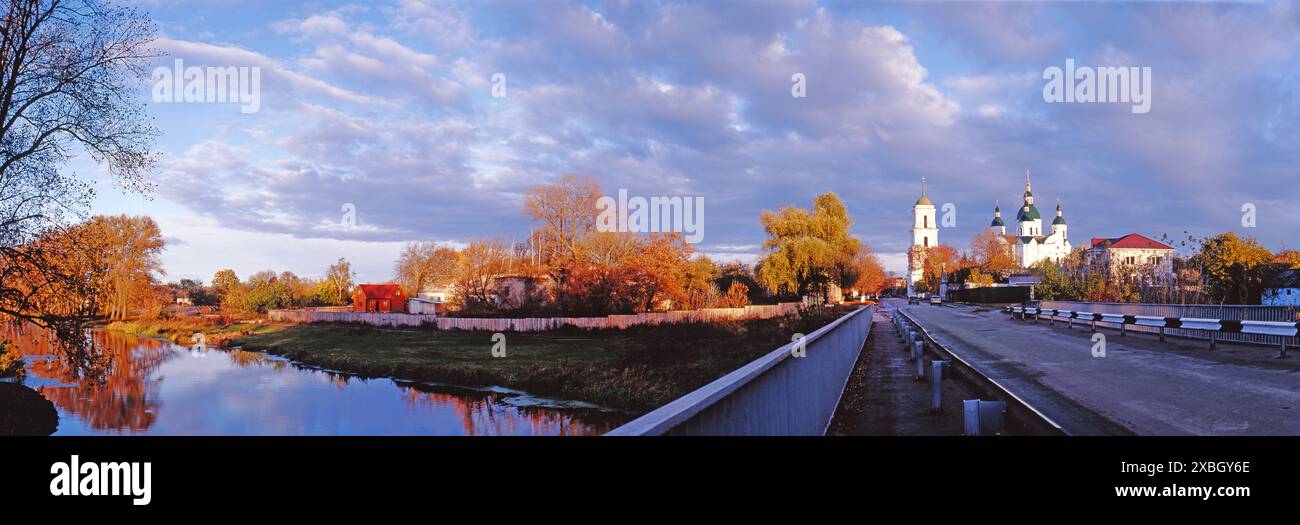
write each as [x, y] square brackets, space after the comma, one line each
[925, 234]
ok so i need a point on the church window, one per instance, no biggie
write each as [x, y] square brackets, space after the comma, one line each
[926, 240]
[926, 220]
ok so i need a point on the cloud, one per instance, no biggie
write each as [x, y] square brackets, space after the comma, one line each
[389, 108]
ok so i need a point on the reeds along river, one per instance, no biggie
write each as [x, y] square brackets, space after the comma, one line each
[155, 387]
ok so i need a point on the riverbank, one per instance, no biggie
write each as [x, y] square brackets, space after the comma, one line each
[216, 331]
[636, 369]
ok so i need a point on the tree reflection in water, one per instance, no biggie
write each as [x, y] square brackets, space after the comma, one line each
[237, 392]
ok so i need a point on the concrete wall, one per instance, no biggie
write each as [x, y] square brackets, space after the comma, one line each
[777, 394]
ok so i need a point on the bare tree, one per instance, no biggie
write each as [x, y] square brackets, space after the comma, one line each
[69, 78]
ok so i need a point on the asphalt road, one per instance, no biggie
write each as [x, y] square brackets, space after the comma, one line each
[1141, 386]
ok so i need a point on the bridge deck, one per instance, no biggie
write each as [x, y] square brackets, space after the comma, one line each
[1141, 386]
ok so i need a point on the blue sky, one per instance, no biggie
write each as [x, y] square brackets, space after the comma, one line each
[387, 106]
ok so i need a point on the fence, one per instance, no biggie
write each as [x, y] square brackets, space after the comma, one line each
[777, 394]
[536, 324]
[1195, 311]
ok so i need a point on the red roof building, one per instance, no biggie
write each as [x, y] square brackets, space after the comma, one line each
[1132, 241]
[1132, 253]
[378, 298]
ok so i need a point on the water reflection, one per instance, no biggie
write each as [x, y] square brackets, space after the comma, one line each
[158, 388]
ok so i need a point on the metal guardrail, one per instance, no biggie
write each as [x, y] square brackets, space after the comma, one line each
[1231, 312]
[777, 394]
[1280, 329]
[1029, 419]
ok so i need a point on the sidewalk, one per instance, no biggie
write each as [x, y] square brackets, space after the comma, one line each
[883, 399]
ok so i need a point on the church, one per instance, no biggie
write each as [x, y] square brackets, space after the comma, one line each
[1029, 244]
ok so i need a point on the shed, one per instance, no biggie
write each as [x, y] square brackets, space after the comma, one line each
[378, 298]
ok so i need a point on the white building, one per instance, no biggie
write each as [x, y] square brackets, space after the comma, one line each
[1132, 254]
[925, 233]
[1283, 289]
[1029, 242]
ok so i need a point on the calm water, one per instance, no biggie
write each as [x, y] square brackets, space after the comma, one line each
[156, 387]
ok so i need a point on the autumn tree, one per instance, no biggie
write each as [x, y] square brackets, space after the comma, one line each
[477, 269]
[70, 72]
[737, 296]
[1235, 268]
[868, 272]
[656, 271]
[1288, 258]
[132, 253]
[566, 211]
[229, 290]
[423, 265]
[338, 283]
[807, 250]
[938, 259]
[994, 255]
[700, 284]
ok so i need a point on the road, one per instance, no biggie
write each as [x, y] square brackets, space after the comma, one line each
[1141, 386]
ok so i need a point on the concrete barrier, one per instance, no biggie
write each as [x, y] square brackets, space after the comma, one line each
[777, 394]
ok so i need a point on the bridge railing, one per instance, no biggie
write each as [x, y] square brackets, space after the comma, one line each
[1195, 311]
[777, 394]
[1214, 329]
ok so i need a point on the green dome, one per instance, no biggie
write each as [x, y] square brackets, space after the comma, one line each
[1028, 213]
[997, 221]
[1059, 220]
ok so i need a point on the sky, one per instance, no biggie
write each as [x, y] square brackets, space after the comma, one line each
[388, 107]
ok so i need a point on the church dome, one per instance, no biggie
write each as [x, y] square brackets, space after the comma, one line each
[924, 201]
[997, 221]
[1028, 213]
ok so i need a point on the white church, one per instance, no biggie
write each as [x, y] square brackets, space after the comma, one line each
[1029, 244]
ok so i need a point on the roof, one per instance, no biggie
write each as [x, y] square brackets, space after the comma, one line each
[1028, 213]
[924, 201]
[997, 221]
[1130, 241]
[1058, 220]
[380, 291]
[1286, 279]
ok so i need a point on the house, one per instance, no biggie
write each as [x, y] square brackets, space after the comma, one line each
[1132, 253]
[437, 294]
[378, 298]
[514, 291]
[1283, 289]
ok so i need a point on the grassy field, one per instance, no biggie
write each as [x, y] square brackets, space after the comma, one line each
[635, 369]
[216, 331]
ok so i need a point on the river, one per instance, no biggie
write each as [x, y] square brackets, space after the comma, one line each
[158, 388]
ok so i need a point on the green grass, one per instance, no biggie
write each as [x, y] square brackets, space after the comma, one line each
[635, 369]
[216, 331]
